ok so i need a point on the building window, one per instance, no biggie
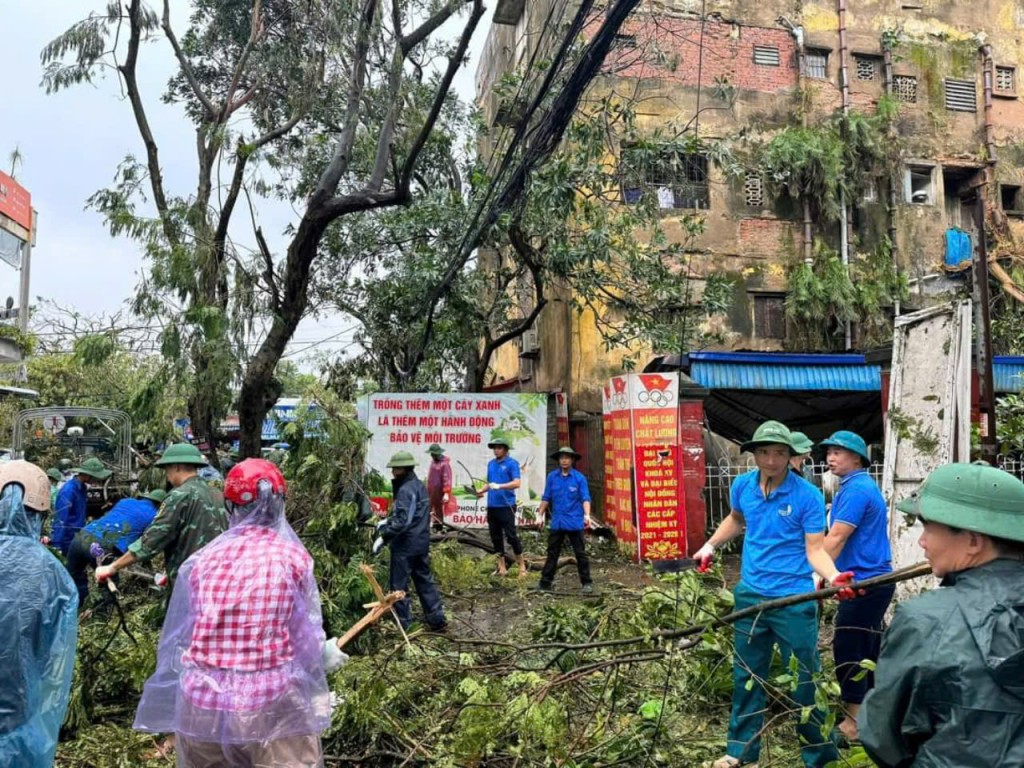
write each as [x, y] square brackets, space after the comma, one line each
[961, 95]
[904, 88]
[918, 186]
[817, 63]
[753, 190]
[766, 55]
[624, 43]
[1010, 198]
[679, 179]
[770, 315]
[868, 67]
[1006, 80]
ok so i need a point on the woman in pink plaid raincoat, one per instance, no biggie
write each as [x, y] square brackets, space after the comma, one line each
[242, 661]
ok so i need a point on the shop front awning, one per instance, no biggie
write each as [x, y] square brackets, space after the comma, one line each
[816, 394]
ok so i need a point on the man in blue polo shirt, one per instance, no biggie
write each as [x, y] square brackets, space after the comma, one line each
[783, 518]
[503, 475]
[567, 495]
[73, 500]
[858, 540]
[111, 534]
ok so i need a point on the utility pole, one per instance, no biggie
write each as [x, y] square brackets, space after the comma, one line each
[26, 264]
[986, 393]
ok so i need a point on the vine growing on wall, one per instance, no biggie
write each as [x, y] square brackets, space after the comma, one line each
[822, 297]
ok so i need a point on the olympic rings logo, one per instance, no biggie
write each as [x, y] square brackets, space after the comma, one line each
[657, 397]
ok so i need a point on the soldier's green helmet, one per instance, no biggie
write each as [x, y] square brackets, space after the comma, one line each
[801, 443]
[181, 453]
[402, 459]
[973, 497]
[771, 433]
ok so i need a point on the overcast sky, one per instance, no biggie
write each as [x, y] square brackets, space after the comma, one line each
[72, 143]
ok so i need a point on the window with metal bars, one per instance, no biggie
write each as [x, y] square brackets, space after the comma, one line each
[770, 315]
[678, 179]
[766, 55]
[961, 95]
[817, 63]
[904, 88]
[1006, 80]
[868, 67]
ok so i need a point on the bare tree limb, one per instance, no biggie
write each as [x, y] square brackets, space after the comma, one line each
[186, 65]
[129, 73]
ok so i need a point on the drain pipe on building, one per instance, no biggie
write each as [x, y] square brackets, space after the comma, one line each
[844, 85]
[801, 54]
[893, 188]
[987, 405]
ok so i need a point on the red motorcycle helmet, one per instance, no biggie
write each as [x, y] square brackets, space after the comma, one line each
[241, 486]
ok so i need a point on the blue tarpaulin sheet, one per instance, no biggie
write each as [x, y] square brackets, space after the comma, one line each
[958, 250]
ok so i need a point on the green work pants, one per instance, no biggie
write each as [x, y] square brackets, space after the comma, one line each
[795, 630]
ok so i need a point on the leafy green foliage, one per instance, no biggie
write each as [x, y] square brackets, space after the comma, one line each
[823, 296]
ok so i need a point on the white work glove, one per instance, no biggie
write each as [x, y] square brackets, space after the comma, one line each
[704, 556]
[378, 544]
[104, 572]
[333, 657]
[444, 499]
[494, 486]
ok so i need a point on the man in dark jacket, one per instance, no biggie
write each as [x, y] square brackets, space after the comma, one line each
[407, 533]
[949, 686]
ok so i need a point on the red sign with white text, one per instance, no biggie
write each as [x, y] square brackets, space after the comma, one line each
[15, 202]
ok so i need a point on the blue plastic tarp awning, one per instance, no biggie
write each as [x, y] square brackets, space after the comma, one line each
[784, 372]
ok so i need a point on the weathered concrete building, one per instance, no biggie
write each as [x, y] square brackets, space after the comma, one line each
[743, 71]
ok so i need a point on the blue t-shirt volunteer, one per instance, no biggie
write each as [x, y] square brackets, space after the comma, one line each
[72, 502]
[566, 494]
[774, 562]
[123, 524]
[502, 471]
[860, 504]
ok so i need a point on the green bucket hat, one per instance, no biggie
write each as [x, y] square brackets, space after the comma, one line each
[801, 443]
[158, 495]
[92, 467]
[402, 459]
[851, 441]
[565, 450]
[974, 497]
[54, 474]
[435, 450]
[771, 433]
[499, 442]
[181, 453]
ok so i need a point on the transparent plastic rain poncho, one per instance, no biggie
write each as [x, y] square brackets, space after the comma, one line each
[239, 660]
[38, 633]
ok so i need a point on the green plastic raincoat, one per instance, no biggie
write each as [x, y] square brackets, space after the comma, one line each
[949, 688]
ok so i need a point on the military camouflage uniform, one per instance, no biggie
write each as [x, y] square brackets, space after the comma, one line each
[191, 517]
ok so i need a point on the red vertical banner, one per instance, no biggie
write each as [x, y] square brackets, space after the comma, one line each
[620, 444]
[562, 418]
[691, 445]
[659, 498]
[611, 509]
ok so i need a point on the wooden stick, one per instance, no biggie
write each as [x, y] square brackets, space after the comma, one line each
[385, 606]
[367, 571]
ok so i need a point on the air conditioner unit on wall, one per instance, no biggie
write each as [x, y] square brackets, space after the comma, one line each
[529, 343]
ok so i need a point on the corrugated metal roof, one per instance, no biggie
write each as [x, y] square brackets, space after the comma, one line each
[787, 377]
[780, 358]
[1008, 373]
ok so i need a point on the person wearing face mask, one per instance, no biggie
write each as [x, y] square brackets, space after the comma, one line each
[858, 541]
[783, 519]
[38, 623]
[949, 685]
